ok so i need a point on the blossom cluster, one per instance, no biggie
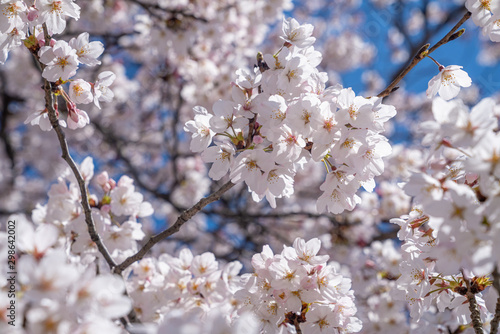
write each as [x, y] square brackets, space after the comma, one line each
[452, 235]
[19, 20]
[115, 213]
[57, 293]
[282, 116]
[298, 287]
[280, 119]
[59, 60]
[67, 286]
[194, 284]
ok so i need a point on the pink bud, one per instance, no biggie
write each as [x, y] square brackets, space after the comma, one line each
[470, 178]
[73, 114]
[102, 179]
[32, 14]
[106, 208]
[257, 140]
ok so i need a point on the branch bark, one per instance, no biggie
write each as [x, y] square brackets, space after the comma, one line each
[419, 56]
[54, 121]
[473, 308]
[496, 318]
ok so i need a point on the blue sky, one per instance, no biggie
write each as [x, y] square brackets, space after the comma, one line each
[463, 51]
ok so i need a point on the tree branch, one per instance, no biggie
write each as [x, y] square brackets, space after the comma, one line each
[496, 318]
[181, 220]
[474, 311]
[419, 56]
[54, 121]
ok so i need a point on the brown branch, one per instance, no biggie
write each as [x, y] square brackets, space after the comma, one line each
[181, 220]
[421, 55]
[473, 308]
[54, 121]
[296, 324]
[94, 236]
[496, 318]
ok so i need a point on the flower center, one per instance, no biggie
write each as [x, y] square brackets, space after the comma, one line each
[486, 4]
[57, 7]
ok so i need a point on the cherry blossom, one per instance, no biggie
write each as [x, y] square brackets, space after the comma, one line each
[87, 52]
[448, 82]
[53, 13]
[195, 247]
[80, 91]
[482, 10]
[10, 40]
[295, 284]
[61, 61]
[200, 127]
[297, 34]
[101, 87]
[14, 13]
[294, 125]
[77, 118]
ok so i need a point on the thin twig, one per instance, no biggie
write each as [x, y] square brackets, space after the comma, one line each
[181, 220]
[419, 56]
[54, 121]
[297, 326]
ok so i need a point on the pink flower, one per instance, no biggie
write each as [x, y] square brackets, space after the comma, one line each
[77, 118]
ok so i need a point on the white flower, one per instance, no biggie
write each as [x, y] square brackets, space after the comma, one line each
[61, 61]
[124, 199]
[200, 127]
[481, 10]
[53, 12]
[492, 29]
[41, 118]
[14, 13]
[448, 82]
[204, 264]
[296, 34]
[80, 91]
[101, 87]
[221, 156]
[250, 167]
[87, 52]
[276, 183]
[225, 117]
[9, 41]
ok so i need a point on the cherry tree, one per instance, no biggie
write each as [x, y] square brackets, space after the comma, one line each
[200, 167]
